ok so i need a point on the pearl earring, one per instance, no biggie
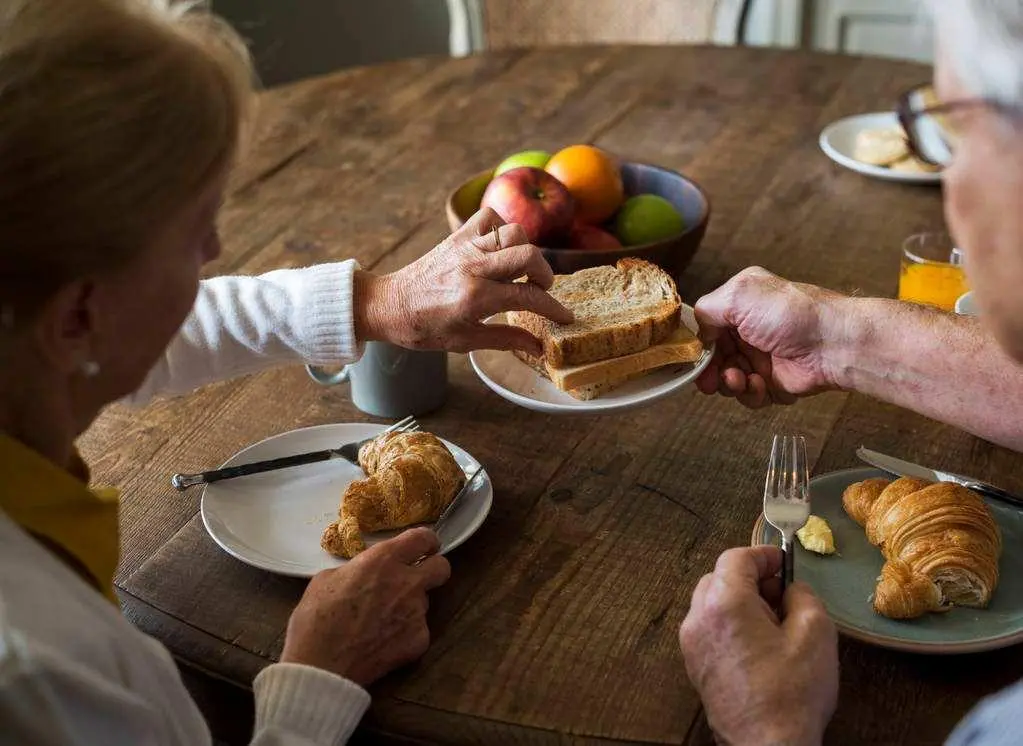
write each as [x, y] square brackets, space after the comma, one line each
[90, 369]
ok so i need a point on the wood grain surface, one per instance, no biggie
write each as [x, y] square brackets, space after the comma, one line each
[560, 622]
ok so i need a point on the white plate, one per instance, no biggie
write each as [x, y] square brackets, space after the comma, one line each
[965, 305]
[274, 520]
[838, 140]
[515, 381]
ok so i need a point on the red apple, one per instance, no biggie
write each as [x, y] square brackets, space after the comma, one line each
[535, 200]
[591, 238]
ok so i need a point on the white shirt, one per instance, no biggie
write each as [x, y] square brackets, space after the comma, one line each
[73, 670]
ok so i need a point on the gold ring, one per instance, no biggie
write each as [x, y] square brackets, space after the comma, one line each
[497, 238]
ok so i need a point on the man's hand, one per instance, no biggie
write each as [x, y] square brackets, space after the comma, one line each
[368, 617]
[771, 338]
[762, 680]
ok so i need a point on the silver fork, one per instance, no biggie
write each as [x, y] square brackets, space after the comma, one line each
[787, 495]
[349, 452]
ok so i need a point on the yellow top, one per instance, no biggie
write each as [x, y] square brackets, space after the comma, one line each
[57, 507]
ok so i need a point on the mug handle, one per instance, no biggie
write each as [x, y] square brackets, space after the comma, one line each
[328, 379]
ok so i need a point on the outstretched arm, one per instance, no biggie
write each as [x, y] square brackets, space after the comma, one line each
[778, 340]
[242, 325]
[949, 368]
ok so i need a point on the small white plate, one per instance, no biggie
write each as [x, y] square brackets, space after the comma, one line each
[838, 142]
[515, 381]
[274, 520]
[965, 305]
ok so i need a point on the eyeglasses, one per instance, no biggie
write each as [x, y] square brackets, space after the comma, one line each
[930, 133]
[924, 119]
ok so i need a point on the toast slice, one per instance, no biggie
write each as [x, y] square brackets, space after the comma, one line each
[681, 347]
[583, 393]
[591, 380]
[618, 311]
[597, 390]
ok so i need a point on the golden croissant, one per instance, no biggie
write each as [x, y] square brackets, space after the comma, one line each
[410, 478]
[940, 543]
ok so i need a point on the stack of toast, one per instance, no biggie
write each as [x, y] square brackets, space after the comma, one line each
[627, 324]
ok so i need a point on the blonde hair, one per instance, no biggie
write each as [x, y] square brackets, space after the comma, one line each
[112, 114]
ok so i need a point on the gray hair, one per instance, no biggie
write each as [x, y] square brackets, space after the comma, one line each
[984, 41]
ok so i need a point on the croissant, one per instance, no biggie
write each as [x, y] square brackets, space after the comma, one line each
[940, 542]
[411, 478]
[858, 498]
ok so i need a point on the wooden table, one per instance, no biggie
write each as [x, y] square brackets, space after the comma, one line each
[560, 623]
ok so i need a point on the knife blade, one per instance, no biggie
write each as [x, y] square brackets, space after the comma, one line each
[902, 468]
[454, 502]
[449, 510]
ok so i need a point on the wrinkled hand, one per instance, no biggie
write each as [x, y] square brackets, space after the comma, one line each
[441, 300]
[771, 337]
[762, 681]
[368, 617]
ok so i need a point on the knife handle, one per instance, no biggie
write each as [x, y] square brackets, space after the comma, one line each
[184, 481]
[995, 493]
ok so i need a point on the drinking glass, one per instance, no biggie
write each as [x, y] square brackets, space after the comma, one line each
[931, 271]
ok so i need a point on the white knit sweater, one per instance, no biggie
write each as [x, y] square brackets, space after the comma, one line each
[72, 669]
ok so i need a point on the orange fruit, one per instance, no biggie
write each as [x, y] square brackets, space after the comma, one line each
[592, 177]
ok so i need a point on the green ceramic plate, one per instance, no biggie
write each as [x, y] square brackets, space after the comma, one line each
[845, 581]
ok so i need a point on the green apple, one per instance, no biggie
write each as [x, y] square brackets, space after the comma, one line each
[646, 218]
[529, 158]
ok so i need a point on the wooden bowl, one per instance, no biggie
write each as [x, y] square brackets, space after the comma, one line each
[673, 254]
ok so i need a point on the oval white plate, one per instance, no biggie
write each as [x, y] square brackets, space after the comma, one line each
[838, 140]
[515, 381]
[274, 520]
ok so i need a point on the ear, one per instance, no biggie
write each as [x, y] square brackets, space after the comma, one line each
[66, 326]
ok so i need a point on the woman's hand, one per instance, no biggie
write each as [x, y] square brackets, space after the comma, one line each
[366, 618]
[772, 338]
[441, 300]
[763, 680]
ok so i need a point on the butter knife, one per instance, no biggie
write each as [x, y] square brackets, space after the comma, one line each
[450, 509]
[902, 468]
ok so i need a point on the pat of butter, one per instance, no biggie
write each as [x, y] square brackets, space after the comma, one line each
[816, 536]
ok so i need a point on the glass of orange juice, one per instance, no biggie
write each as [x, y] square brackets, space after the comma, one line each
[931, 271]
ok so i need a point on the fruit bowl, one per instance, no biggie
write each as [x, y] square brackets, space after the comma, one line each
[673, 254]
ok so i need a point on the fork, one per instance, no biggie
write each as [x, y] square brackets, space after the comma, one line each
[349, 452]
[787, 495]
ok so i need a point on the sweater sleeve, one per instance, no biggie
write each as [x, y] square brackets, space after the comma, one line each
[242, 325]
[48, 698]
[298, 704]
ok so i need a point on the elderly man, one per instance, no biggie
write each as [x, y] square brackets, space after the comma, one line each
[766, 681]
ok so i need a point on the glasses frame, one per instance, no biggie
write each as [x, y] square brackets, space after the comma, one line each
[908, 113]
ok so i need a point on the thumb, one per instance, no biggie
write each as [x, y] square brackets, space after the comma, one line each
[722, 308]
[711, 313]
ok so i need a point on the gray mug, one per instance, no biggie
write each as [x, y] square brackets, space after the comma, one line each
[391, 381]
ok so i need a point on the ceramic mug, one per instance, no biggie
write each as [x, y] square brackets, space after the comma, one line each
[391, 381]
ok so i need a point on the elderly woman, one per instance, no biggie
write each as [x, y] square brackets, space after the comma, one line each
[120, 122]
[768, 681]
